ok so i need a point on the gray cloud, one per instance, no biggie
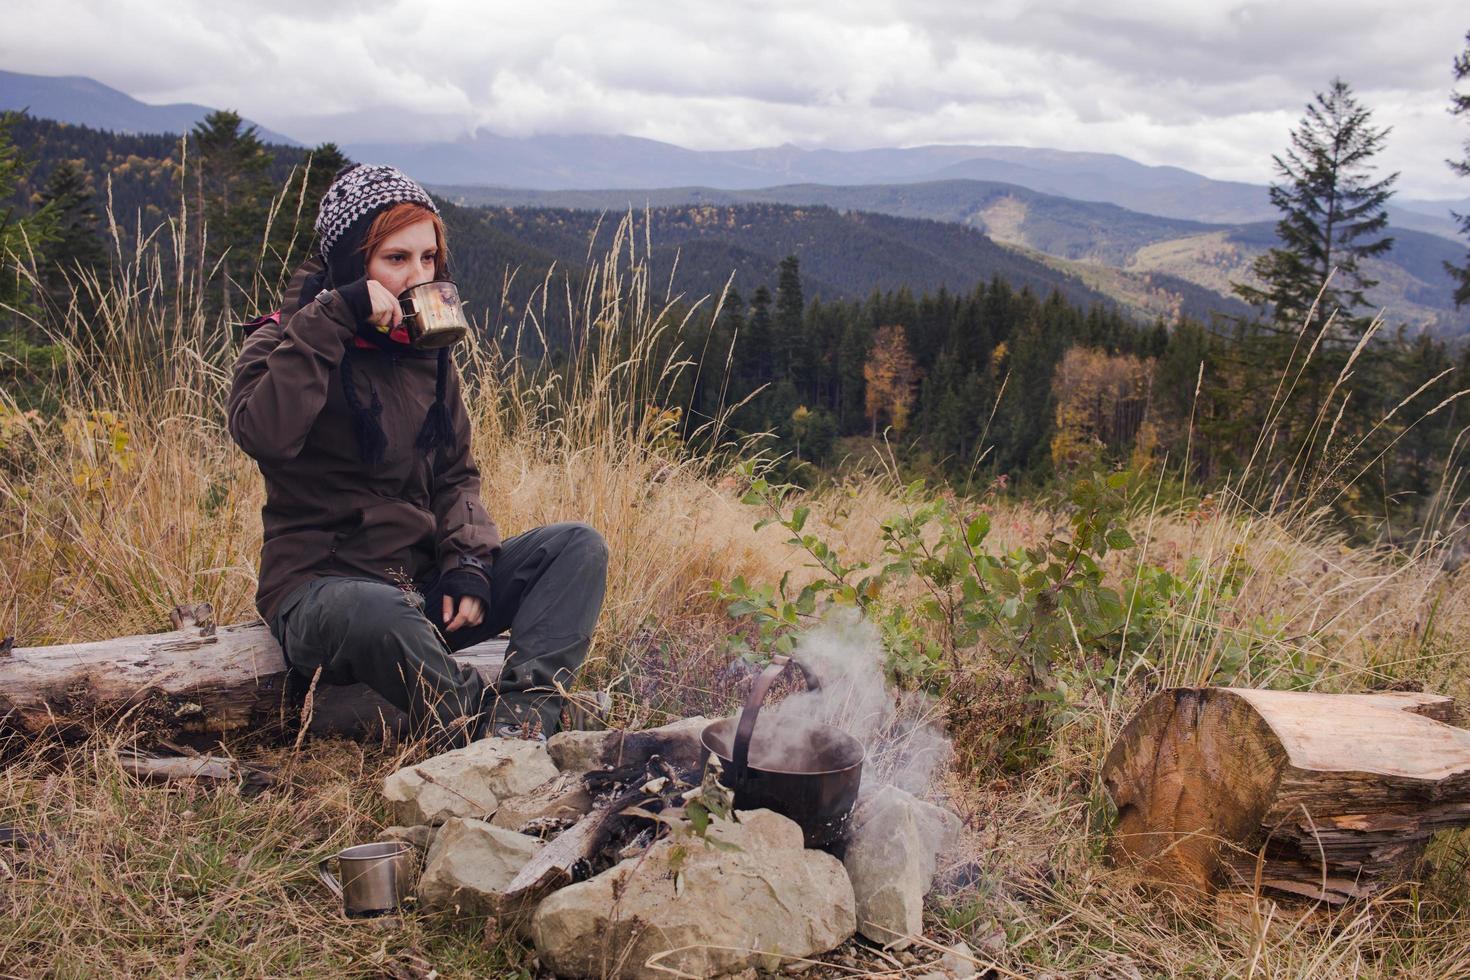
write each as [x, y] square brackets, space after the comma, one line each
[1212, 86]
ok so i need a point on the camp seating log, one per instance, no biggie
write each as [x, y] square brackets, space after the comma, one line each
[191, 684]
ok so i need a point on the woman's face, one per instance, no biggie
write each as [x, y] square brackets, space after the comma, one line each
[406, 258]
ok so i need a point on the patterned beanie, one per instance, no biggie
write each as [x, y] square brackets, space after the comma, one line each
[358, 193]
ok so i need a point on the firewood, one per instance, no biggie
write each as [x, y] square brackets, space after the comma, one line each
[1329, 796]
[200, 680]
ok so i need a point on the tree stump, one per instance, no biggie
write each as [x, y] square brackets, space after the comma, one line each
[197, 681]
[1330, 796]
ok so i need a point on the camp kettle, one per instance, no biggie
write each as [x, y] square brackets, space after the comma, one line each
[433, 315]
[814, 781]
[376, 878]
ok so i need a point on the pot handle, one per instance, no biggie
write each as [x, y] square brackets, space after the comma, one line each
[740, 751]
[329, 879]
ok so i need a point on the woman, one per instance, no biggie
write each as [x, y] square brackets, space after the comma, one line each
[379, 556]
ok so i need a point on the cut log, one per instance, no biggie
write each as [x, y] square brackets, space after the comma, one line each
[1331, 796]
[190, 682]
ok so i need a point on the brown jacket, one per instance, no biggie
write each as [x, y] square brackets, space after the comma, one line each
[326, 512]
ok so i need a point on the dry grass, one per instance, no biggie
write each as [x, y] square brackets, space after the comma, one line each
[132, 499]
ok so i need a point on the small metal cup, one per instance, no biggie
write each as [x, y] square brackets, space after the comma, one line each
[376, 878]
[433, 314]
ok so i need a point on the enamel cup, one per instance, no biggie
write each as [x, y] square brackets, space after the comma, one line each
[376, 878]
[433, 314]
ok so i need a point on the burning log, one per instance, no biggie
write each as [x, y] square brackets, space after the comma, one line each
[1330, 796]
[197, 680]
[625, 798]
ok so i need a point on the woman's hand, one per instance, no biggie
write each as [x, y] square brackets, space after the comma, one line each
[471, 612]
[387, 313]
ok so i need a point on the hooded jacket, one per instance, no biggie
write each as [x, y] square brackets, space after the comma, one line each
[410, 517]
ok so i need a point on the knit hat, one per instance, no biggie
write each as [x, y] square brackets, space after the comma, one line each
[359, 192]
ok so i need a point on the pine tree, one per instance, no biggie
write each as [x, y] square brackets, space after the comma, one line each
[24, 237]
[232, 192]
[787, 341]
[325, 162]
[1331, 214]
[78, 243]
[1460, 105]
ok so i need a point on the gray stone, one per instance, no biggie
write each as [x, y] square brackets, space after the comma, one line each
[467, 782]
[749, 904]
[561, 799]
[421, 836]
[471, 863]
[891, 859]
[959, 961]
[579, 752]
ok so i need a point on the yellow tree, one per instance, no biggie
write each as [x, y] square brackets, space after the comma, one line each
[1102, 406]
[892, 377]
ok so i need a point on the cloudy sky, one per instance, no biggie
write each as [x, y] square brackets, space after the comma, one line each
[1210, 85]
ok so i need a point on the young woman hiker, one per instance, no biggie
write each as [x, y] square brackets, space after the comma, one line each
[379, 556]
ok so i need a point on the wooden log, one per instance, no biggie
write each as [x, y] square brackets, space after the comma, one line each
[1330, 796]
[189, 682]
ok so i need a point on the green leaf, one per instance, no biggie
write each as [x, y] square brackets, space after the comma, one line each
[977, 530]
[1118, 539]
[798, 518]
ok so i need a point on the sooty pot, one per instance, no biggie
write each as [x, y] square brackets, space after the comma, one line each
[808, 772]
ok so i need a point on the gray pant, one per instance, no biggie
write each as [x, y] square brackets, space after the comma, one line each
[546, 587]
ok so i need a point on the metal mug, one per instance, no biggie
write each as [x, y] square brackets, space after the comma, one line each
[433, 314]
[376, 878]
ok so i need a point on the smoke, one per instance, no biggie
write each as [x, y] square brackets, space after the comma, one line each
[901, 731]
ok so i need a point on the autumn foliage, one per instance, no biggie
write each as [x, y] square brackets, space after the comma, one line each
[892, 377]
[1102, 405]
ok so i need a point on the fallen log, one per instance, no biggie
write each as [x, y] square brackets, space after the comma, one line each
[1330, 796]
[196, 681]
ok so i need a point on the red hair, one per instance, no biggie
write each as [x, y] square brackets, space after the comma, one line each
[399, 217]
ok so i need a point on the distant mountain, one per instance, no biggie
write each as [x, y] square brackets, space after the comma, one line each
[1153, 264]
[589, 162]
[1171, 240]
[84, 102]
[843, 255]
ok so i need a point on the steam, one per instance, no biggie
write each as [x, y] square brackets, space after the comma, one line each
[905, 741]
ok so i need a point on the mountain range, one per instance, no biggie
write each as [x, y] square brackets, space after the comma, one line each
[1150, 265]
[84, 102]
[1154, 238]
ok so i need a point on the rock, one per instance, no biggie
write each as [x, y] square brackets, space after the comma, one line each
[959, 961]
[562, 798]
[467, 782]
[421, 836]
[471, 863]
[579, 752]
[891, 861]
[747, 907]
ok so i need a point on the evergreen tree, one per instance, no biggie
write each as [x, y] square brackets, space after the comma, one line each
[787, 341]
[233, 193]
[24, 236]
[78, 243]
[1331, 214]
[1460, 105]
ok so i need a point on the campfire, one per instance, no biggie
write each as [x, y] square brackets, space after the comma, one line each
[704, 846]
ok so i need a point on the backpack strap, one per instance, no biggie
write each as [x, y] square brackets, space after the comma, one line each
[260, 321]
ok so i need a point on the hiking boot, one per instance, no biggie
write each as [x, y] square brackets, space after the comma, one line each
[530, 733]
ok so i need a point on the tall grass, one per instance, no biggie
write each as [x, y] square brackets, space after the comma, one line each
[130, 498]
